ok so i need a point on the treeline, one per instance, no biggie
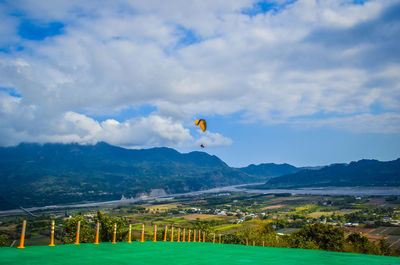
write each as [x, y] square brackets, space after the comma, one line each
[261, 233]
[315, 236]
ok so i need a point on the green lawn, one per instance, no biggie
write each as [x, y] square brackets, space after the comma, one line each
[180, 253]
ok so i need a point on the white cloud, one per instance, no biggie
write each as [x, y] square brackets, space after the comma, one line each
[141, 132]
[363, 123]
[280, 67]
[147, 131]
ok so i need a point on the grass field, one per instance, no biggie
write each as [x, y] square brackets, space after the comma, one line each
[228, 227]
[162, 206]
[193, 217]
[319, 214]
[272, 207]
[175, 220]
[181, 253]
[305, 208]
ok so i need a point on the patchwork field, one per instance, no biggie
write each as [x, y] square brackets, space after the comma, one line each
[385, 231]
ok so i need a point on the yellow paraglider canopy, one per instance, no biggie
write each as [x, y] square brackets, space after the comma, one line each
[202, 123]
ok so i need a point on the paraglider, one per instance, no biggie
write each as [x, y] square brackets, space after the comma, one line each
[203, 125]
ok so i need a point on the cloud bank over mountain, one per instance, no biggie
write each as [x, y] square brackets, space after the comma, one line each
[68, 69]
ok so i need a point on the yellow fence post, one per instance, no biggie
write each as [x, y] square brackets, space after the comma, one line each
[115, 234]
[247, 242]
[194, 235]
[52, 234]
[199, 236]
[204, 237]
[172, 234]
[142, 238]
[183, 235]
[78, 230]
[155, 233]
[254, 243]
[263, 244]
[179, 234]
[214, 238]
[190, 231]
[96, 242]
[130, 234]
[22, 240]
[165, 233]
[219, 238]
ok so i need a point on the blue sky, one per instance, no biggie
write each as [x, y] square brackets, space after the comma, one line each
[301, 147]
[301, 82]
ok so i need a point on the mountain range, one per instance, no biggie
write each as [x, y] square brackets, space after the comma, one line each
[269, 170]
[39, 175]
[365, 173]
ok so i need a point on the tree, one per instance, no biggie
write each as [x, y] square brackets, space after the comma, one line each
[299, 241]
[107, 228]
[384, 247]
[87, 232]
[323, 236]
[361, 244]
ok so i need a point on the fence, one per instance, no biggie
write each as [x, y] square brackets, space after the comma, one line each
[175, 234]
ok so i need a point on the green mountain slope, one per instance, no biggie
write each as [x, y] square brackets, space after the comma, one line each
[360, 173]
[36, 175]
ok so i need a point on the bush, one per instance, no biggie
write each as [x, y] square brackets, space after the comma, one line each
[4, 241]
[319, 236]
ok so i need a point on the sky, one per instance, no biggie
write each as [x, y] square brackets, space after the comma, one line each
[302, 82]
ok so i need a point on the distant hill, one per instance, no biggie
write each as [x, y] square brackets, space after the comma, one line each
[269, 170]
[360, 173]
[37, 175]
